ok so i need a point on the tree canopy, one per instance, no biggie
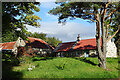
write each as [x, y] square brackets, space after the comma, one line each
[15, 16]
[37, 35]
[53, 41]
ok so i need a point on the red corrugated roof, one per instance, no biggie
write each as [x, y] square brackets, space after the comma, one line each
[35, 43]
[86, 44]
[38, 43]
[65, 46]
[81, 45]
[8, 45]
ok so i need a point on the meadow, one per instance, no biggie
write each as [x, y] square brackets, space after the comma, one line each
[58, 67]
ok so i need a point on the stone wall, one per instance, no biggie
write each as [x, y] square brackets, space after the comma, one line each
[20, 42]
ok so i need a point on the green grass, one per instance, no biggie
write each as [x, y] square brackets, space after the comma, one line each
[65, 68]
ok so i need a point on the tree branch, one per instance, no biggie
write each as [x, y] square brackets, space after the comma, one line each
[108, 27]
[105, 10]
[101, 11]
[112, 13]
[92, 20]
[114, 34]
[86, 18]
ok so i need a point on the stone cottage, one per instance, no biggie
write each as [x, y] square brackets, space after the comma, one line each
[20, 46]
[12, 47]
[83, 48]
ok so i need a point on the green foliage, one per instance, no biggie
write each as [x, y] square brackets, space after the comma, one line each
[15, 16]
[25, 59]
[61, 66]
[8, 57]
[53, 41]
[74, 10]
[37, 35]
[9, 36]
[83, 10]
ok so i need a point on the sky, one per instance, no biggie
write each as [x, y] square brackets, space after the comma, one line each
[66, 33]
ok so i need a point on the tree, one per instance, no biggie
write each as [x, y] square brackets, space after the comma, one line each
[37, 35]
[9, 37]
[53, 41]
[15, 16]
[98, 12]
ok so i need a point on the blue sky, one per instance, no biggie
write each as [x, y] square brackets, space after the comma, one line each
[67, 32]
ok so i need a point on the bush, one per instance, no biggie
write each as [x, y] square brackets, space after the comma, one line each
[14, 60]
[61, 66]
[9, 57]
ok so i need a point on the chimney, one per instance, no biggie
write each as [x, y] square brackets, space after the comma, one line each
[78, 38]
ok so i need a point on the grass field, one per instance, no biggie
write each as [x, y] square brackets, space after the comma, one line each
[63, 68]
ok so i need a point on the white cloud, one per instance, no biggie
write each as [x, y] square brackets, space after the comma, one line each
[66, 32]
[48, 5]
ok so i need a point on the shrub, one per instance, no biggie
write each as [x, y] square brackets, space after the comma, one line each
[61, 66]
[14, 60]
[11, 58]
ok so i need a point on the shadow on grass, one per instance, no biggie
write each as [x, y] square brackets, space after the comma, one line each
[8, 73]
[43, 58]
[117, 68]
[86, 61]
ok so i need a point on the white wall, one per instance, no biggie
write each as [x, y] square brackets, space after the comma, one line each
[111, 49]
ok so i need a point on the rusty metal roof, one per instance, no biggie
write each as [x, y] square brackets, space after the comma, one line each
[80, 45]
[7, 46]
[35, 43]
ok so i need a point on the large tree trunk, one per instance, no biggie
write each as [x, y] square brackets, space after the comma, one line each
[98, 40]
[101, 51]
[103, 43]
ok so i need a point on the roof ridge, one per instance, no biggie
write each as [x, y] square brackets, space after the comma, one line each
[37, 38]
[88, 39]
[69, 42]
[8, 42]
[48, 45]
[78, 41]
[34, 38]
